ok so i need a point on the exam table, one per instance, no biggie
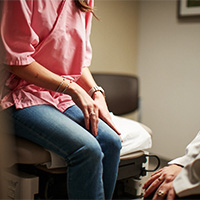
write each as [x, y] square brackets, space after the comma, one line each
[33, 180]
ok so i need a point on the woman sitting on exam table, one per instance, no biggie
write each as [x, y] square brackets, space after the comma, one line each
[51, 95]
[179, 180]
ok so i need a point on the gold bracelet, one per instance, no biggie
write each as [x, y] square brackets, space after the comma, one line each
[66, 87]
[60, 84]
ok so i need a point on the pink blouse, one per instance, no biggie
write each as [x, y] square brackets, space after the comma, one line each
[52, 32]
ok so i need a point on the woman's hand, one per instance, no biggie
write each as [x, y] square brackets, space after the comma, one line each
[103, 110]
[86, 81]
[87, 105]
[162, 180]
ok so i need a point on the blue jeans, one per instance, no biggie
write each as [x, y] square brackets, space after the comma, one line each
[92, 162]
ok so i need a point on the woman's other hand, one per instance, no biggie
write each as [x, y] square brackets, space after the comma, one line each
[86, 81]
[103, 110]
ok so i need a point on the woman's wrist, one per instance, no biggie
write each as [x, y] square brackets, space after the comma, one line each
[63, 86]
[96, 89]
[98, 96]
[74, 90]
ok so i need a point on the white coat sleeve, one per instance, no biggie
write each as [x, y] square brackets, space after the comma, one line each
[191, 153]
[188, 180]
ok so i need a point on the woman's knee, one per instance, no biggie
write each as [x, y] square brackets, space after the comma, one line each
[109, 139]
[94, 152]
[116, 142]
[90, 152]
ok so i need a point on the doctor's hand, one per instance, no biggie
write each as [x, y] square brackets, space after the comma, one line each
[161, 182]
[104, 113]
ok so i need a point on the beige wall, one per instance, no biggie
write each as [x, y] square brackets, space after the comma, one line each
[114, 37]
[146, 38]
[169, 68]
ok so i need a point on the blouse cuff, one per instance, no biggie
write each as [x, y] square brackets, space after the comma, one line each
[19, 60]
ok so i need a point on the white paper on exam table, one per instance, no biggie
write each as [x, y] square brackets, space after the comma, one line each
[134, 136]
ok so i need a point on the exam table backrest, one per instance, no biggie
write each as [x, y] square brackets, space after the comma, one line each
[122, 91]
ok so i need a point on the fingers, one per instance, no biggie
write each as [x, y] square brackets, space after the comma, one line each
[157, 172]
[165, 191]
[91, 116]
[104, 112]
[110, 123]
[121, 138]
[162, 182]
[171, 194]
[87, 105]
[151, 180]
[94, 119]
[152, 184]
[160, 194]
[156, 175]
[107, 119]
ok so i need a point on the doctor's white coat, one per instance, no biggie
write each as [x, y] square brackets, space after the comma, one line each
[188, 180]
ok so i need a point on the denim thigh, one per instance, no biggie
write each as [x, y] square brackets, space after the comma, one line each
[50, 128]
